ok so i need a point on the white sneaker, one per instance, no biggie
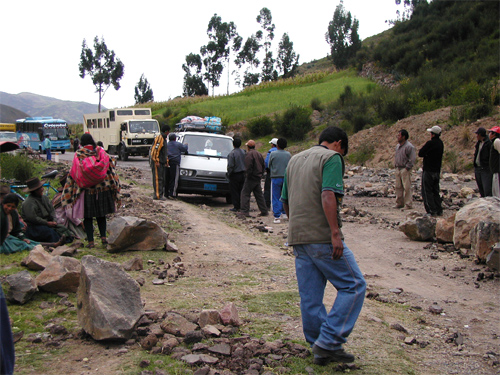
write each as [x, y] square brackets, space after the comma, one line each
[277, 221]
[284, 217]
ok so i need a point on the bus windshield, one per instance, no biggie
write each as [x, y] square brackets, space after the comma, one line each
[139, 126]
[56, 133]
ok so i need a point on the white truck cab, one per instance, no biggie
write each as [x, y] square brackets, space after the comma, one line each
[203, 169]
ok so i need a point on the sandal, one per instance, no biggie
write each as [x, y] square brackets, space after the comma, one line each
[90, 245]
[104, 240]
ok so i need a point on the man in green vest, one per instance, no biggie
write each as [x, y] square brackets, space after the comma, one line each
[312, 194]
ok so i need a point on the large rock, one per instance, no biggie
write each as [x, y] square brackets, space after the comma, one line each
[229, 315]
[62, 274]
[109, 300]
[445, 228]
[37, 259]
[481, 209]
[422, 228]
[22, 287]
[128, 233]
[483, 237]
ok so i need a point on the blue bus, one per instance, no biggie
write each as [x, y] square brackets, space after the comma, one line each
[32, 130]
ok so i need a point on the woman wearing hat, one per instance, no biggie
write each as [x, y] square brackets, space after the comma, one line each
[40, 216]
[98, 200]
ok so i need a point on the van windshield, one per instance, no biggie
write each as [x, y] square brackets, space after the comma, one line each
[207, 145]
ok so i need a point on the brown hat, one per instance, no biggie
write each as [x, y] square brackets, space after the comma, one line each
[250, 143]
[33, 184]
[4, 189]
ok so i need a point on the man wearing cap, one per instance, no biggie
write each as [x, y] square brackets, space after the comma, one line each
[495, 160]
[482, 163]
[432, 152]
[267, 182]
[254, 169]
[404, 159]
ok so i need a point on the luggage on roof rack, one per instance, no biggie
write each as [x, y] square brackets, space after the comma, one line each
[195, 123]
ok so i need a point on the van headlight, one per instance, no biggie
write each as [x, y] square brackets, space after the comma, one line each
[187, 172]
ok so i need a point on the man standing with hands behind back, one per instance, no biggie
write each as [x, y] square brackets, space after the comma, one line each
[404, 160]
[482, 163]
[312, 192]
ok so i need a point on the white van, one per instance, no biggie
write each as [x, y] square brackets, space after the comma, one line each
[203, 170]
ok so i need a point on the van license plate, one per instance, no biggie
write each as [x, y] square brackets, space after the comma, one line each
[210, 187]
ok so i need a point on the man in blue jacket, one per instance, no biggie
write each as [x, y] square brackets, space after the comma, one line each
[174, 150]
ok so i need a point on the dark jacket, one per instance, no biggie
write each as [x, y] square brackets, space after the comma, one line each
[16, 226]
[484, 155]
[175, 150]
[432, 152]
[254, 165]
[236, 161]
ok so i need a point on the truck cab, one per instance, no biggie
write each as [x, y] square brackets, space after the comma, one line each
[203, 169]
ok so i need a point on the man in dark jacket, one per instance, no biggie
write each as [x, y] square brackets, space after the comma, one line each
[482, 163]
[254, 169]
[432, 152]
[175, 150]
[236, 173]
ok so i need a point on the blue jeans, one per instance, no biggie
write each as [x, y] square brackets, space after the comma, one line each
[277, 185]
[314, 266]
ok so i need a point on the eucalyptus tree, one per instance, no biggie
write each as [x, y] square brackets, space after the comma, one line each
[103, 67]
[288, 60]
[143, 91]
[265, 19]
[193, 81]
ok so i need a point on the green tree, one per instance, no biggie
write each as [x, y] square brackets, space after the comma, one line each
[265, 19]
[193, 82]
[143, 91]
[288, 60]
[342, 35]
[226, 38]
[248, 56]
[102, 66]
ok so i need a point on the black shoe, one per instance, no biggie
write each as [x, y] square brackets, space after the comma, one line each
[323, 356]
[263, 214]
[233, 209]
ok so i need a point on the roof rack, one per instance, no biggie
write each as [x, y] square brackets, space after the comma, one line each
[194, 123]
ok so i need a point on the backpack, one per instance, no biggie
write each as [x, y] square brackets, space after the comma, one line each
[92, 170]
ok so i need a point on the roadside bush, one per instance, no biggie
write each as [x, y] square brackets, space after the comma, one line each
[316, 104]
[260, 126]
[294, 123]
[451, 161]
[17, 167]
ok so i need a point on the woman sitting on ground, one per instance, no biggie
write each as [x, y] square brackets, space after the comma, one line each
[39, 214]
[12, 237]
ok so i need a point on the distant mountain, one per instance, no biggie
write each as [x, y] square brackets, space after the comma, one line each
[9, 114]
[38, 105]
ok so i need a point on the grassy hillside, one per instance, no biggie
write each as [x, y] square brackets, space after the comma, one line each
[265, 99]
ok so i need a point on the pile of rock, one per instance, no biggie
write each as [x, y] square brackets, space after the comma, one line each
[211, 336]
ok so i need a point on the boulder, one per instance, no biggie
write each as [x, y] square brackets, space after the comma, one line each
[62, 274]
[37, 259]
[445, 228]
[480, 209]
[177, 325]
[109, 300]
[493, 258]
[128, 233]
[22, 287]
[422, 228]
[483, 236]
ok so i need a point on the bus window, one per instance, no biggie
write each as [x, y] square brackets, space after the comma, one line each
[142, 112]
[124, 112]
[99, 123]
[112, 115]
[107, 122]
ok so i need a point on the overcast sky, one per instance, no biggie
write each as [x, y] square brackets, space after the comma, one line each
[41, 41]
